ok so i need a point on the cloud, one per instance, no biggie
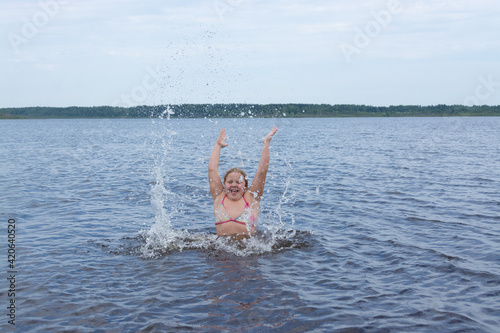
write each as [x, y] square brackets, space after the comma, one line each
[288, 48]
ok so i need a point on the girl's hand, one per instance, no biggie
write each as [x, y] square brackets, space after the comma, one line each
[270, 135]
[221, 140]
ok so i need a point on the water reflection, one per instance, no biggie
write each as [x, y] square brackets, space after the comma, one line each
[236, 293]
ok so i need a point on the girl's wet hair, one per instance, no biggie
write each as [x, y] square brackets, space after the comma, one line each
[238, 170]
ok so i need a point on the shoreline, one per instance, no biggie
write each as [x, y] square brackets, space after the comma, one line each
[248, 111]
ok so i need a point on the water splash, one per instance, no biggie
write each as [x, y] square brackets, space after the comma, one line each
[162, 238]
[161, 234]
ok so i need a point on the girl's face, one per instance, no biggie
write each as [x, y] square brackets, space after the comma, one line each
[235, 185]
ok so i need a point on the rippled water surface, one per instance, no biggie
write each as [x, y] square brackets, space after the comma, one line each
[367, 225]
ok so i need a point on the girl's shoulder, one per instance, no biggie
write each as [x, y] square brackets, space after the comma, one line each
[250, 198]
[218, 199]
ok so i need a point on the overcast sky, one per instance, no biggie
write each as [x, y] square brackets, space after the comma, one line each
[110, 52]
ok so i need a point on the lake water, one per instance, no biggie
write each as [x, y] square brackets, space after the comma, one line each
[367, 225]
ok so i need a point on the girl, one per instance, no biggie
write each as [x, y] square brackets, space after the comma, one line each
[236, 206]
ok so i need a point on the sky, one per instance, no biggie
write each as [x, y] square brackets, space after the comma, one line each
[125, 53]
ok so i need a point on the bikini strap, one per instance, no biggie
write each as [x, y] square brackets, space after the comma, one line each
[246, 202]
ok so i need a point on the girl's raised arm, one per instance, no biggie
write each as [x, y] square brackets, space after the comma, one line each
[214, 179]
[257, 187]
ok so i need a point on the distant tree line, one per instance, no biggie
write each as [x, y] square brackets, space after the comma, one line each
[250, 110]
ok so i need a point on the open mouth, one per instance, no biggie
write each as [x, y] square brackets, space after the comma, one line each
[234, 190]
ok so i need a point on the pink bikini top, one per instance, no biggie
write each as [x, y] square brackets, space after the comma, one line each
[221, 215]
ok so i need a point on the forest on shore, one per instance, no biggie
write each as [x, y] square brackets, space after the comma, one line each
[248, 110]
